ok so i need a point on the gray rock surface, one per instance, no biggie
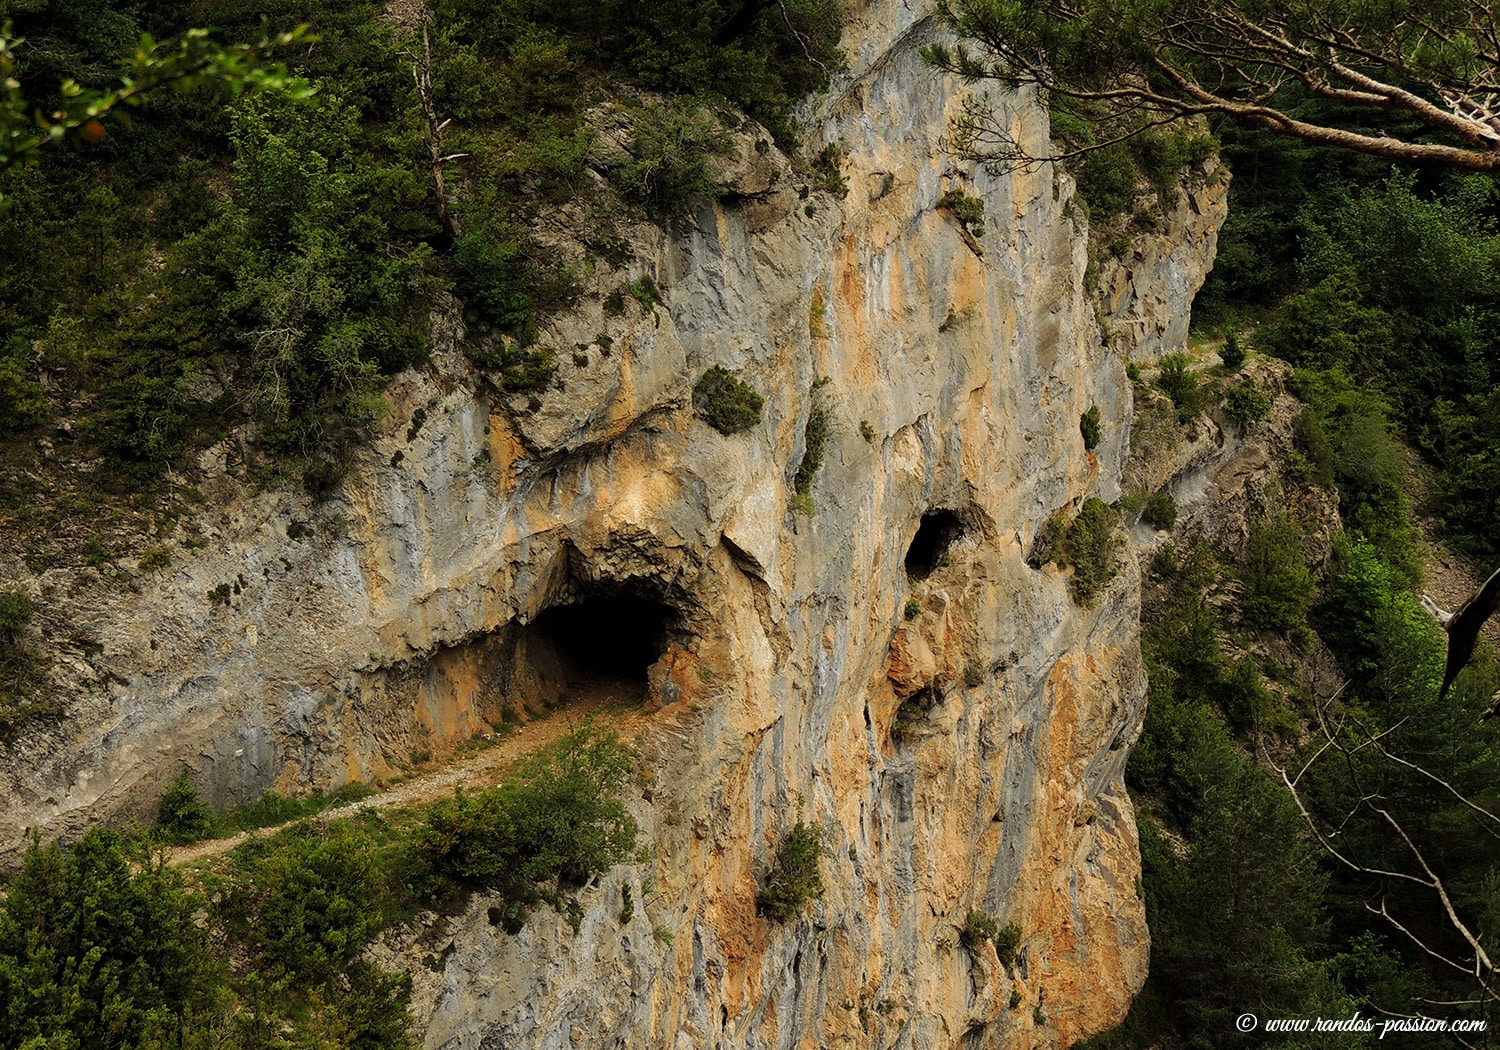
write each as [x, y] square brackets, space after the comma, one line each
[395, 618]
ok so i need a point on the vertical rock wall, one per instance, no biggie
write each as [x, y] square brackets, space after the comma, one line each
[958, 738]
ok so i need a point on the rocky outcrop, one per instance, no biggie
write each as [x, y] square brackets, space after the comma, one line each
[954, 725]
[1146, 293]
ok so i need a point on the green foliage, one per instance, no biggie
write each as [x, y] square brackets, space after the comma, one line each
[516, 368]
[272, 808]
[1107, 181]
[15, 614]
[1089, 545]
[98, 947]
[1091, 425]
[307, 900]
[670, 156]
[502, 282]
[22, 403]
[726, 401]
[541, 835]
[1178, 381]
[1400, 297]
[815, 442]
[796, 878]
[21, 670]
[911, 610]
[182, 816]
[761, 61]
[1160, 510]
[828, 171]
[1232, 354]
[967, 210]
[1007, 943]
[302, 906]
[1246, 403]
[979, 926]
[1348, 435]
[273, 264]
[190, 61]
[1277, 588]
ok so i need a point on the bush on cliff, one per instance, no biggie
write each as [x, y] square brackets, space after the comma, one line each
[540, 835]
[796, 878]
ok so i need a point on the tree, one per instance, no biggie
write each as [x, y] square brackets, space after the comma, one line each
[188, 62]
[1407, 80]
[99, 947]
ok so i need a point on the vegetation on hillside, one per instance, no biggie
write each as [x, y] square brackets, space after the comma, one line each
[268, 263]
[104, 944]
[1378, 287]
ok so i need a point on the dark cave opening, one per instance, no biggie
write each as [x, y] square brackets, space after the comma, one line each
[603, 636]
[929, 548]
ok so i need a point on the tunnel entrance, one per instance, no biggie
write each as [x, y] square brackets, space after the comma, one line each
[614, 637]
[929, 548]
[597, 647]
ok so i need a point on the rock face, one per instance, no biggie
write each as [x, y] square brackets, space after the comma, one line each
[877, 658]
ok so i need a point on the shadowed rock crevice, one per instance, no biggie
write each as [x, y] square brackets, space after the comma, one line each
[929, 548]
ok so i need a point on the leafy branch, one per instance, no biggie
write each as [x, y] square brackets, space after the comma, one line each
[191, 61]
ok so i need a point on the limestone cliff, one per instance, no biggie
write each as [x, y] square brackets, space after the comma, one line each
[312, 645]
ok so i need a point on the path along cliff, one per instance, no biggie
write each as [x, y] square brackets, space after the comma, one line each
[872, 653]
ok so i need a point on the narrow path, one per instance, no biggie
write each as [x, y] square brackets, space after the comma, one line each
[612, 705]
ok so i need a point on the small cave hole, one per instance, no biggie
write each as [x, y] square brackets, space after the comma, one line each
[599, 644]
[929, 548]
[912, 712]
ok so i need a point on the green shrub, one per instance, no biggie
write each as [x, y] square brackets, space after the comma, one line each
[815, 438]
[1179, 383]
[22, 402]
[726, 401]
[518, 369]
[99, 948]
[540, 835]
[796, 878]
[1007, 943]
[1232, 353]
[182, 816]
[1160, 510]
[15, 615]
[272, 808]
[1087, 544]
[1091, 547]
[95, 553]
[1107, 182]
[1277, 588]
[644, 291]
[979, 926]
[670, 154]
[1091, 426]
[306, 901]
[967, 210]
[22, 701]
[1247, 403]
[1310, 438]
[155, 558]
[828, 171]
[912, 610]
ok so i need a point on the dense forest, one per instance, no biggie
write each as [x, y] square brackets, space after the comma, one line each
[1378, 284]
[267, 263]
